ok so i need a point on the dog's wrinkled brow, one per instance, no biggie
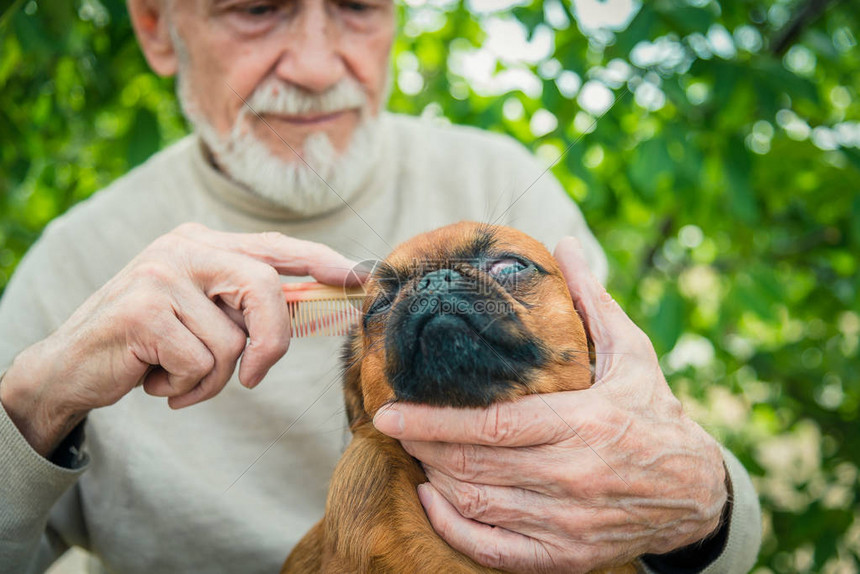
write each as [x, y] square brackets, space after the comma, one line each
[476, 249]
[483, 241]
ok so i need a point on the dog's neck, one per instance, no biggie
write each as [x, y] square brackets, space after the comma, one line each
[374, 521]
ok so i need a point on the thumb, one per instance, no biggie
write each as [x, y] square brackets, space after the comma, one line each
[607, 324]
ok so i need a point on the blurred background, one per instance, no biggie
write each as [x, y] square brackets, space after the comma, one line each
[714, 148]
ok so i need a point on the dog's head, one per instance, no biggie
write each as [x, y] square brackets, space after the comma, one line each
[465, 315]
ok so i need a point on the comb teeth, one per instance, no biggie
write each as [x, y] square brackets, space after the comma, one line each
[322, 310]
[324, 317]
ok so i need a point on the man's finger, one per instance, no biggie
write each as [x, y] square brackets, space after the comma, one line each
[528, 421]
[490, 465]
[253, 288]
[608, 325]
[183, 358]
[288, 255]
[224, 339]
[234, 315]
[489, 546]
[516, 509]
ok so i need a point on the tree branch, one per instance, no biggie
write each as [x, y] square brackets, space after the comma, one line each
[805, 17]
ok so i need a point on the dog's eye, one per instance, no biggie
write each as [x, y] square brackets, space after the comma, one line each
[380, 304]
[506, 268]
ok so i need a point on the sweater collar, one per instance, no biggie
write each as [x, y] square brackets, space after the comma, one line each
[243, 199]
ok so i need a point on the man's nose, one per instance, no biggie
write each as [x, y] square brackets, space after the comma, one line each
[313, 59]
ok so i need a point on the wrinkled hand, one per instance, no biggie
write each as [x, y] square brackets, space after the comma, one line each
[175, 320]
[574, 481]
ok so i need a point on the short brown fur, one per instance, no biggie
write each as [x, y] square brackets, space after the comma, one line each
[374, 522]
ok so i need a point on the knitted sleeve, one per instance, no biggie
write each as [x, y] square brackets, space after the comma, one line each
[39, 513]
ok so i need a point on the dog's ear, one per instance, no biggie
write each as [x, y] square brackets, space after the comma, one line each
[352, 395]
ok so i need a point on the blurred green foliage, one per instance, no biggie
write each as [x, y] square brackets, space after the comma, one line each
[723, 183]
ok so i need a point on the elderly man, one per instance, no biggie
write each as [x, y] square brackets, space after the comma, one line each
[119, 300]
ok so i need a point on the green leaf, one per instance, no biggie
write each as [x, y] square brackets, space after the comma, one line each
[639, 29]
[650, 164]
[737, 166]
[854, 228]
[668, 323]
[144, 137]
[726, 75]
[690, 19]
[773, 74]
[750, 295]
[573, 161]
[853, 156]
[32, 35]
[552, 98]
[530, 16]
[570, 54]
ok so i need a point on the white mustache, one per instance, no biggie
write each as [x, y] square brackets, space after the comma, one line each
[277, 97]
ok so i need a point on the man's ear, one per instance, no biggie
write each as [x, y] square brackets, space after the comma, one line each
[151, 22]
[352, 394]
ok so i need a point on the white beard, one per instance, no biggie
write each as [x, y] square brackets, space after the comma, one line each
[321, 180]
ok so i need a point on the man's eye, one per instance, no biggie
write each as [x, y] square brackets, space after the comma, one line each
[355, 6]
[259, 9]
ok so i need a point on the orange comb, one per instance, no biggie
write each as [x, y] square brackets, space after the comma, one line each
[322, 310]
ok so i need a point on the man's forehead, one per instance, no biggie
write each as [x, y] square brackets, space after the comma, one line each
[214, 8]
[226, 3]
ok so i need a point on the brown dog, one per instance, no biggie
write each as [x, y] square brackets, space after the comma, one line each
[462, 316]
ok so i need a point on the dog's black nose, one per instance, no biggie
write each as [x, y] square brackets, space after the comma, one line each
[441, 280]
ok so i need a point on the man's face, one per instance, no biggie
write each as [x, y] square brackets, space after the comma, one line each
[236, 46]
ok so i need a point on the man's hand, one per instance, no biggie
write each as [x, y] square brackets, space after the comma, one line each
[574, 481]
[175, 320]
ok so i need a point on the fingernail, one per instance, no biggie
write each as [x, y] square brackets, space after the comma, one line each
[389, 421]
[254, 381]
[424, 494]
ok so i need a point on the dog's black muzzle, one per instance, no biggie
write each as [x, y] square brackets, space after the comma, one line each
[457, 341]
